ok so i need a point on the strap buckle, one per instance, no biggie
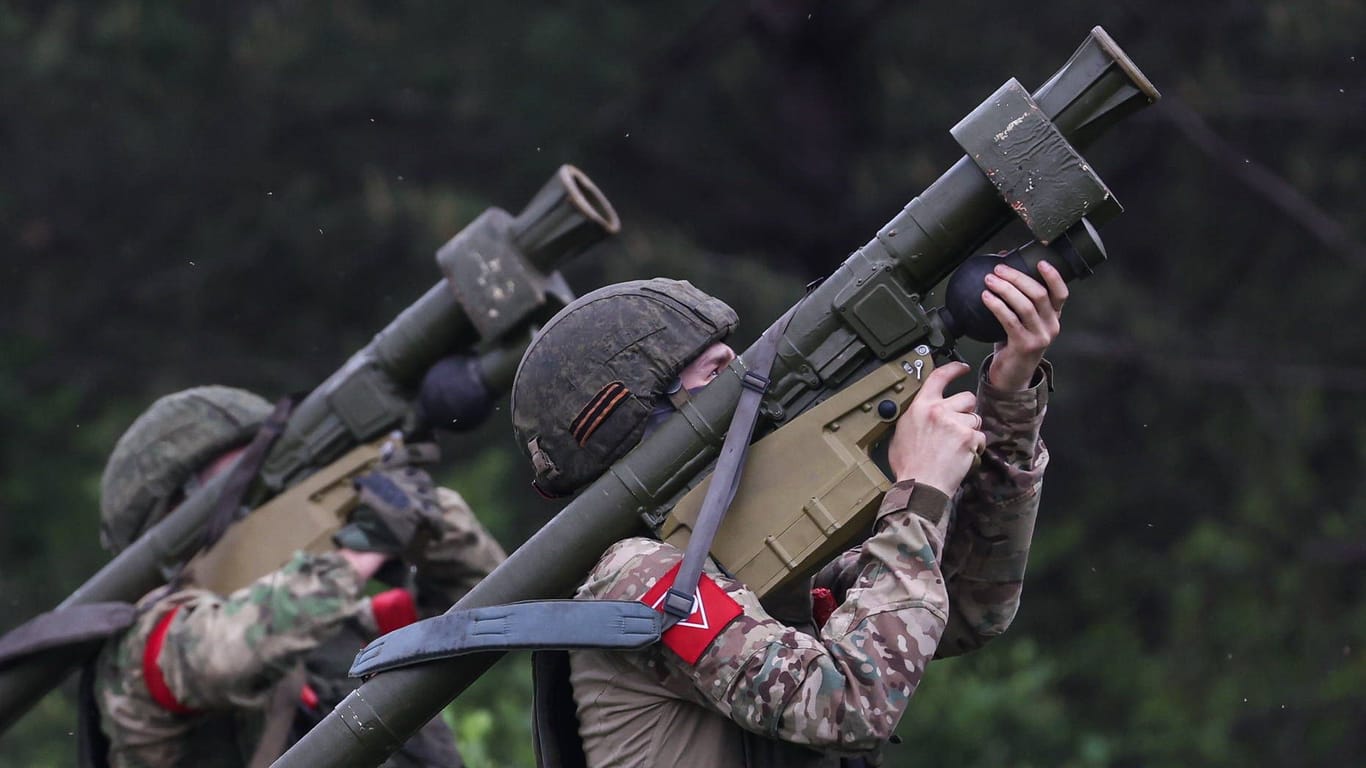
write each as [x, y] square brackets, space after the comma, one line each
[678, 604]
[755, 382]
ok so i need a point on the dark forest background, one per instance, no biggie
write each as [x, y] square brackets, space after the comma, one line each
[245, 192]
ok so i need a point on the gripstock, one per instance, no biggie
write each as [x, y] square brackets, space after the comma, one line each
[1023, 160]
[499, 282]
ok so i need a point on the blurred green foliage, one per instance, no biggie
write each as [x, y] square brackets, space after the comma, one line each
[244, 192]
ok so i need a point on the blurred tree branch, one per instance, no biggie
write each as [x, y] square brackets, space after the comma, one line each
[1236, 370]
[1328, 231]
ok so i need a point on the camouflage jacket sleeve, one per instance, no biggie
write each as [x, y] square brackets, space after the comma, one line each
[459, 554]
[228, 651]
[994, 512]
[844, 690]
[992, 521]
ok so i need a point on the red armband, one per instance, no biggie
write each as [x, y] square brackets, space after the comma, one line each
[712, 610]
[393, 609]
[151, 668]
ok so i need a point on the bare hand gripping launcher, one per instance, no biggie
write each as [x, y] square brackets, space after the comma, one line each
[499, 282]
[864, 321]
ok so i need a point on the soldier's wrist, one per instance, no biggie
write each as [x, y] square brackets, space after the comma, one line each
[917, 498]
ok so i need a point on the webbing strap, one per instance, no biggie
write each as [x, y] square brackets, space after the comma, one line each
[725, 477]
[533, 625]
[279, 720]
[229, 500]
[64, 628]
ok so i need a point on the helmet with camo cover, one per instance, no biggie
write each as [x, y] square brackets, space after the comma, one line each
[590, 379]
[169, 442]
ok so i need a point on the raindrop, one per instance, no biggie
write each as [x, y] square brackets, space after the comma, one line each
[320, 230]
[192, 263]
[628, 134]
[400, 178]
[372, 119]
[268, 194]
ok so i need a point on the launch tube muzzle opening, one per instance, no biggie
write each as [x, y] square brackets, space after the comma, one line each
[566, 216]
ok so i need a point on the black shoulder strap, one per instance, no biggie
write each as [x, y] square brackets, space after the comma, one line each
[279, 718]
[555, 719]
[92, 746]
[78, 630]
[65, 628]
[565, 624]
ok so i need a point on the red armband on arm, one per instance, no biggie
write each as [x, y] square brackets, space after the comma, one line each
[712, 610]
[151, 668]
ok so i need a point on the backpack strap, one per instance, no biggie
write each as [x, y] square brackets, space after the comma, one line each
[92, 746]
[279, 719]
[555, 718]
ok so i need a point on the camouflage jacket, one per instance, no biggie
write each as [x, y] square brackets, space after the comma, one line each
[188, 683]
[905, 596]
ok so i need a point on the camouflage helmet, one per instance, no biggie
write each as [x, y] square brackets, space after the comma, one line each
[591, 377]
[167, 444]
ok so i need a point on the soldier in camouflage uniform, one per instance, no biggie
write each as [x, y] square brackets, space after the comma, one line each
[804, 677]
[200, 678]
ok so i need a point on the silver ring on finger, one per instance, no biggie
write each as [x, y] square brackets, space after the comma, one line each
[976, 421]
